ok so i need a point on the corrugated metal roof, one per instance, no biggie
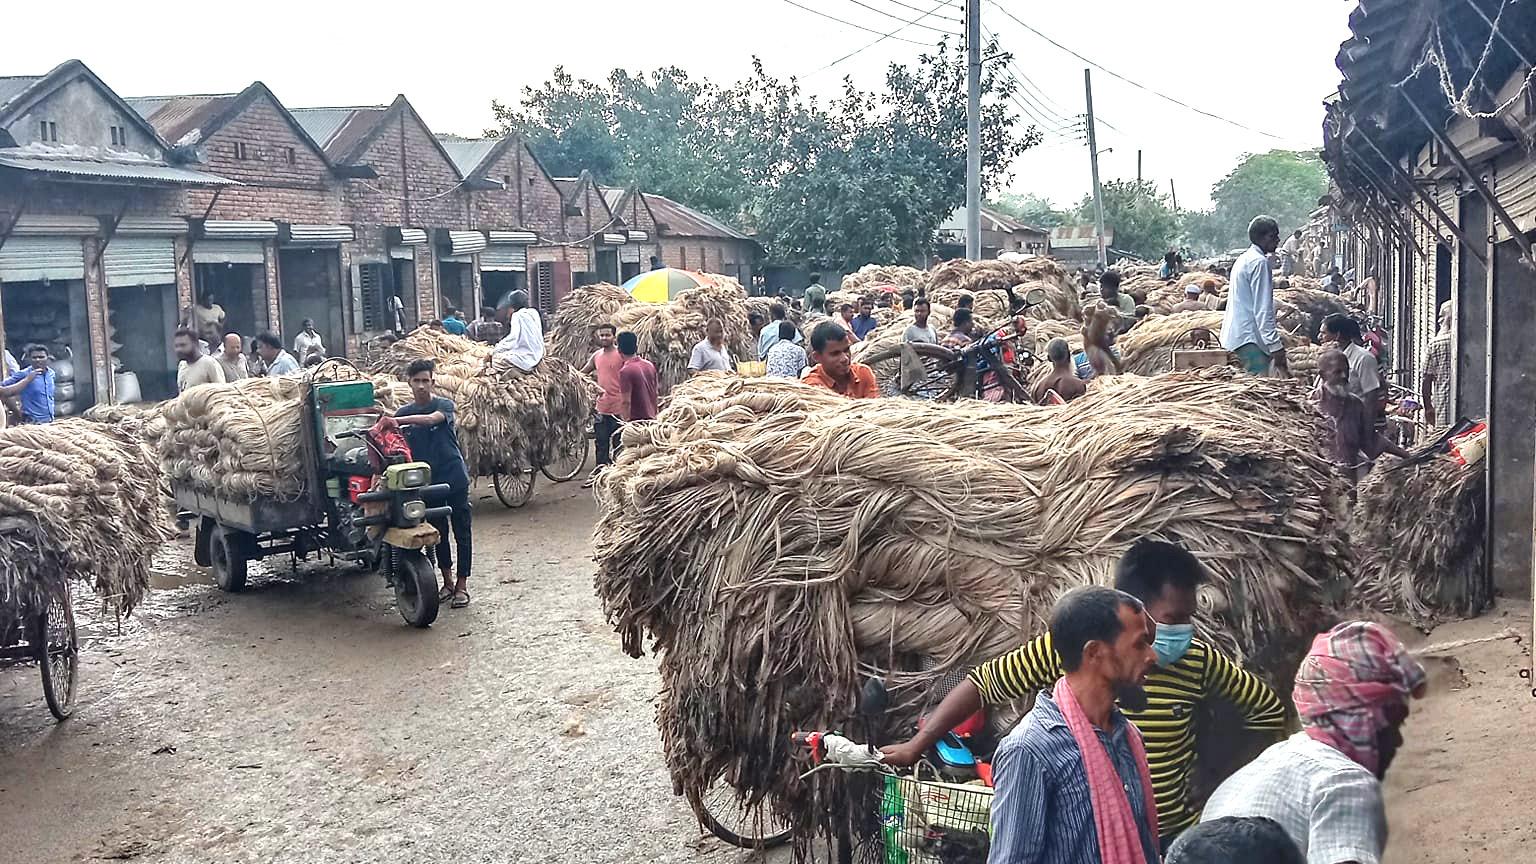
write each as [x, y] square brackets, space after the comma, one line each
[15, 85]
[681, 221]
[467, 153]
[176, 116]
[337, 130]
[85, 166]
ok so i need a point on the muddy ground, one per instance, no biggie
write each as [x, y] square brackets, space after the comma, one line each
[301, 721]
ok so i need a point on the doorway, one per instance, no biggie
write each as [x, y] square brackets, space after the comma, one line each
[497, 284]
[608, 265]
[52, 313]
[241, 289]
[142, 318]
[405, 291]
[456, 287]
[309, 286]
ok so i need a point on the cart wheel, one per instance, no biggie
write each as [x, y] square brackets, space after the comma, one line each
[570, 461]
[226, 550]
[58, 654]
[415, 587]
[747, 827]
[200, 542]
[515, 487]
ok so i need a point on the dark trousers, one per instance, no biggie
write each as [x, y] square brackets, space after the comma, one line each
[460, 520]
[604, 430]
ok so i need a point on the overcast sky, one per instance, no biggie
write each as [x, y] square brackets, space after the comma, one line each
[1267, 66]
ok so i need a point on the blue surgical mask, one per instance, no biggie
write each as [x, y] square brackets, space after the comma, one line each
[1171, 642]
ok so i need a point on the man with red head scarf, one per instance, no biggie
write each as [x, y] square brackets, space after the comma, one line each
[1323, 784]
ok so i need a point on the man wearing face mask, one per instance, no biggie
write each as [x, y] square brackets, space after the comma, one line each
[1323, 784]
[1189, 671]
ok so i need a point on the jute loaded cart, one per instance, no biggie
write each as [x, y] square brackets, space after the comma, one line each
[354, 501]
[43, 631]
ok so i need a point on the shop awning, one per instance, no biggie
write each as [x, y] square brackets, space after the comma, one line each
[504, 258]
[130, 261]
[239, 230]
[524, 238]
[318, 235]
[465, 242]
[407, 236]
[639, 236]
[106, 171]
[149, 226]
[24, 259]
[612, 238]
[221, 251]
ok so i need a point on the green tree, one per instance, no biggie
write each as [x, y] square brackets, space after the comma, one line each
[1143, 223]
[1285, 184]
[863, 178]
[1031, 209]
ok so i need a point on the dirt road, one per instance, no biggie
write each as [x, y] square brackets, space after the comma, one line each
[301, 721]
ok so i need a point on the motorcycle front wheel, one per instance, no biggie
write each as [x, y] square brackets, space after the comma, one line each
[415, 586]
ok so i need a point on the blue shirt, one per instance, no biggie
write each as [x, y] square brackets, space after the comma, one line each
[863, 324]
[1041, 811]
[438, 444]
[455, 326]
[36, 398]
[769, 337]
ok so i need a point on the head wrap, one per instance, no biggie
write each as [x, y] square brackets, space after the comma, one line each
[1346, 683]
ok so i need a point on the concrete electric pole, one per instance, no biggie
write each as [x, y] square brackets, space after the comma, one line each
[973, 130]
[1093, 159]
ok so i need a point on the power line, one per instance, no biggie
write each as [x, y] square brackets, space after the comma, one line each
[883, 36]
[949, 3]
[1113, 74]
[913, 23]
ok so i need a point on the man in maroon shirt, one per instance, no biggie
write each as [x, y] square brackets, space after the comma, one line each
[637, 380]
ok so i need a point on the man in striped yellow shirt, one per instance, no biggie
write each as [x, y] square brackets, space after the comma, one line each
[1164, 577]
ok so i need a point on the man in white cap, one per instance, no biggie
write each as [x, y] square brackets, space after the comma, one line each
[1191, 301]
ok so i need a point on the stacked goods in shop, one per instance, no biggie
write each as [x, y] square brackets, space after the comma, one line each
[667, 332]
[577, 316]
[870, 278]
[1421, 525]
[506, 418]
[43, 318]
[78, 501]
[774, 545]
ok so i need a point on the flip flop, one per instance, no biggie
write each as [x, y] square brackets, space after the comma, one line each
[443, 594]
[460, 600]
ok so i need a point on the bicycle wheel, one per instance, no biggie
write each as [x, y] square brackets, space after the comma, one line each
[568, 462]
[513, 486]
[747, 826]
[58, 655]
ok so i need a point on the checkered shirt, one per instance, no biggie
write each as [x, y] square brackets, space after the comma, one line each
[1328, 804]
[1437, 362]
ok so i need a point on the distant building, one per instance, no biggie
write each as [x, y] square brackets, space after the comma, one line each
[691, 240]
[1075, 244]
[999, 233]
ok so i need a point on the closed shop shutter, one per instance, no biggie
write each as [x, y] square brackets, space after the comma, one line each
[26, 258]
[139, 261]
[1515, 188]
[227, 252]
[504, 258]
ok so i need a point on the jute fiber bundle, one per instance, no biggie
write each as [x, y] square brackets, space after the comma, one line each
[506, 418]
[1147, 349]
[1162, 296]
[953, 279]
[869, 278]
[1421, 528]
[776, 544]
[78, 501]
[577, 316]
[237, 440]
[667, 332]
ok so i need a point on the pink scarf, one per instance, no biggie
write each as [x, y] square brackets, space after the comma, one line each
[1113, 818]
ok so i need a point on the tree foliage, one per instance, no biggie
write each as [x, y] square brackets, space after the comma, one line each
[1284, 184]
[866, 177]
[1031, 209]
[1141, 218]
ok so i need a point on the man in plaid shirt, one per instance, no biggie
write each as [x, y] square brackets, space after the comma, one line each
[1437, 373]
[1323, 784]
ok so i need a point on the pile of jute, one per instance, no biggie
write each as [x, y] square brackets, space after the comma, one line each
[577, 317]
[1421, 527]
[506, 419]
[953, 279]
[78, 501]
[242, 441]
[667, 332]
[871, 278]
[775, 544]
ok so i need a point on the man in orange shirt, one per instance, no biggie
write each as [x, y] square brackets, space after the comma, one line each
[835, 369]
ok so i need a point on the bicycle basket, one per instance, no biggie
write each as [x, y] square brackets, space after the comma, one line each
[933, 822]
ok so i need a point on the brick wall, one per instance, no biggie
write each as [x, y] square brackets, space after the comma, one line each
[279, 188]
[530, 200]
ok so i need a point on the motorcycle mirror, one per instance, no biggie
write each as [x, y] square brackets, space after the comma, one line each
[874, 701]
[1035, 297]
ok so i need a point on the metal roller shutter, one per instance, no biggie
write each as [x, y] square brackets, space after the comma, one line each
[227, 252]
[504, 258]
[26, 258]
[1515, 187]
[139, 261]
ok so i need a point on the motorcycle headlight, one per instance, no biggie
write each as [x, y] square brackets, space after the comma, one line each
[414, 510]
[413, 477]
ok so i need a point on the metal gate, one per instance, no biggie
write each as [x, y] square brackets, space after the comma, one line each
[504, 258]
[139, 261]
[216, 251]
[23, 259]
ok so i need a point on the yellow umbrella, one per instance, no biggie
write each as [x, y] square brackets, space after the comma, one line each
[659, 286]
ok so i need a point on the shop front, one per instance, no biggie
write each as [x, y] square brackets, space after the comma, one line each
[42, 293]
[229, 265]
[504, 264]
[456, 270]
[310, 283]
[138, 265]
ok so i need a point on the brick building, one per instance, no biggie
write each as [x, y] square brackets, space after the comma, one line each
[690, 240]
[93, 234]
[641, 244]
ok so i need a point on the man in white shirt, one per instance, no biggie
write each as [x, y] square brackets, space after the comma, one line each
[523, 346]
[1323, 784]
[1249, 329]
[195, 367]
[710, 354]
[1290, 254]
[308, 341]
[1364, 373]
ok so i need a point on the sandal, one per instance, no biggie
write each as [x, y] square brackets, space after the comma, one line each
[460, 600]
[443, 594]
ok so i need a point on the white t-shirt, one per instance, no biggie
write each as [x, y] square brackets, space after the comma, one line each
[303, 343]
[523, 346]
[1364, 374]
[708, 358]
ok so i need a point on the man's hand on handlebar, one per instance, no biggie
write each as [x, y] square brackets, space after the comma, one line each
[903, 755]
